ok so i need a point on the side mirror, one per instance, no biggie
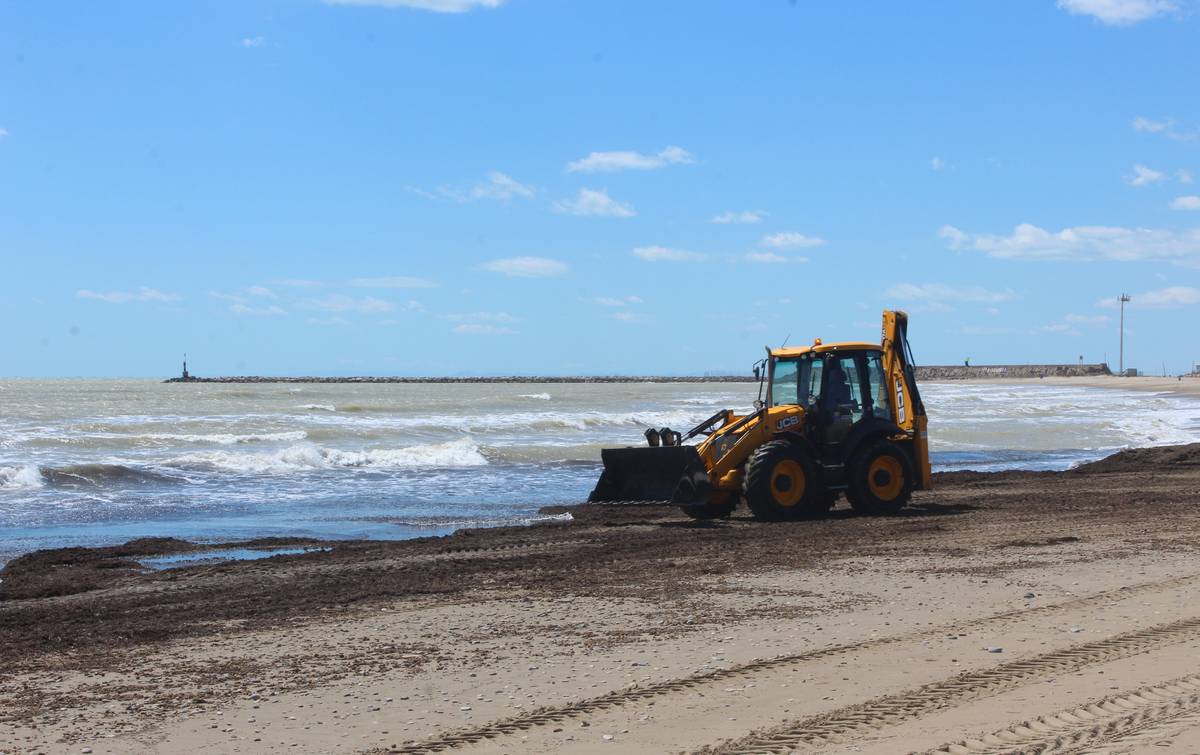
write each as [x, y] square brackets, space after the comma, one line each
[757, 373]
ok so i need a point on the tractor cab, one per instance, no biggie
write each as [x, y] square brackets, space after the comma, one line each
[841, 386]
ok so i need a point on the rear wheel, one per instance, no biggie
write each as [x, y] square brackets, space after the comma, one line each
[781, 483]
[880, 480]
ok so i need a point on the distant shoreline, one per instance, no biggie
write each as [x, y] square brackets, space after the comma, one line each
[451, 380]
[931, 373]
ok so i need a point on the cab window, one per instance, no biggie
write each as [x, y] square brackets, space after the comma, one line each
[843, 394]
[796, 381]
[785, 381]
[881, 397]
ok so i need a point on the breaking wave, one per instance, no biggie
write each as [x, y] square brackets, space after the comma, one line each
[135, 439]
[527, 421]
[537, 396]
[23, 476]
[226, 439]
[100, 474]
[299, 458]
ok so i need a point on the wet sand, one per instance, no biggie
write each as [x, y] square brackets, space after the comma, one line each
[1024, 608]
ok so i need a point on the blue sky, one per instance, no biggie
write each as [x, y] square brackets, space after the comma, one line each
[542, 187]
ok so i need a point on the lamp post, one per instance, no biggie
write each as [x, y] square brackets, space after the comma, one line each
[1121, 369]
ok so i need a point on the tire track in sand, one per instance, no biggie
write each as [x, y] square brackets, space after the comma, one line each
[617, 698]
[938, 696]
[1140, 715]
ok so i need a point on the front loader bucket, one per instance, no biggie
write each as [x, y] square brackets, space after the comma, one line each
[644, 474]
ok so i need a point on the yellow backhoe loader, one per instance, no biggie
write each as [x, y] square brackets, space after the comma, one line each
[835, 417]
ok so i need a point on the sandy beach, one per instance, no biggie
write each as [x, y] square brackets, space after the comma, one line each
[1182, 386]
[1004, 611]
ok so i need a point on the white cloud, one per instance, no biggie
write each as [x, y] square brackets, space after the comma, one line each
[1057, 327]
[1166, 128]
[268, 311]
[615, 301]
[1163, 298]
[1143, 176]
[480, 317]
[393, 281]
[663, 254]
[955, 239]
[343, 303]
[527, 267]
[940, 293]
[594, 202]
[482, 329]
[498, 186]
[298, 283]
[1083, 243]
[984, 330]
[1184, 176]
[625, 316]
[1153, 127]
[772, 258]
[262, 291]
[253, 42]
[1119, 12]
[610, 162]
[791, 241]
[327, 321]
[1186, 203]
[437, 6]
[937, 163]
[3, 133]
[121, 297]
[1087, 319]
[1069, 325]
[743, 217]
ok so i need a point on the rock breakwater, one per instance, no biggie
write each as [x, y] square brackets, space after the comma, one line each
[1015, 371]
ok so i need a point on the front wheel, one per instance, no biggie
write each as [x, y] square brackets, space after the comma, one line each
[781, 483]
[880, 479]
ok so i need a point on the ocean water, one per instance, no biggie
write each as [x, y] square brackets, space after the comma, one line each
[86, 462]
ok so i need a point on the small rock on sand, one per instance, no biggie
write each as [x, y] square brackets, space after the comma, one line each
[994, 649]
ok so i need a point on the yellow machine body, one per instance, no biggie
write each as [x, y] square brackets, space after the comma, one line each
[712, 475]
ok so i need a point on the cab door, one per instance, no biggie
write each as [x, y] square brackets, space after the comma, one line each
[844, 395]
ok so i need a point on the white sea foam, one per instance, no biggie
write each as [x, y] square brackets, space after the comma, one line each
[1049, 418]
[23, 476]
[523, 421]
[537, 396]
[227, 439]
[303, 457]
[318, 407]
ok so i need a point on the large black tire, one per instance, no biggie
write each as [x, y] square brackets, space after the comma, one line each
[781, 483]
[880, 479]
[720, 506]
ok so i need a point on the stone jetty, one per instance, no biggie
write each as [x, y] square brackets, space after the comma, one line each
[1013, 371]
